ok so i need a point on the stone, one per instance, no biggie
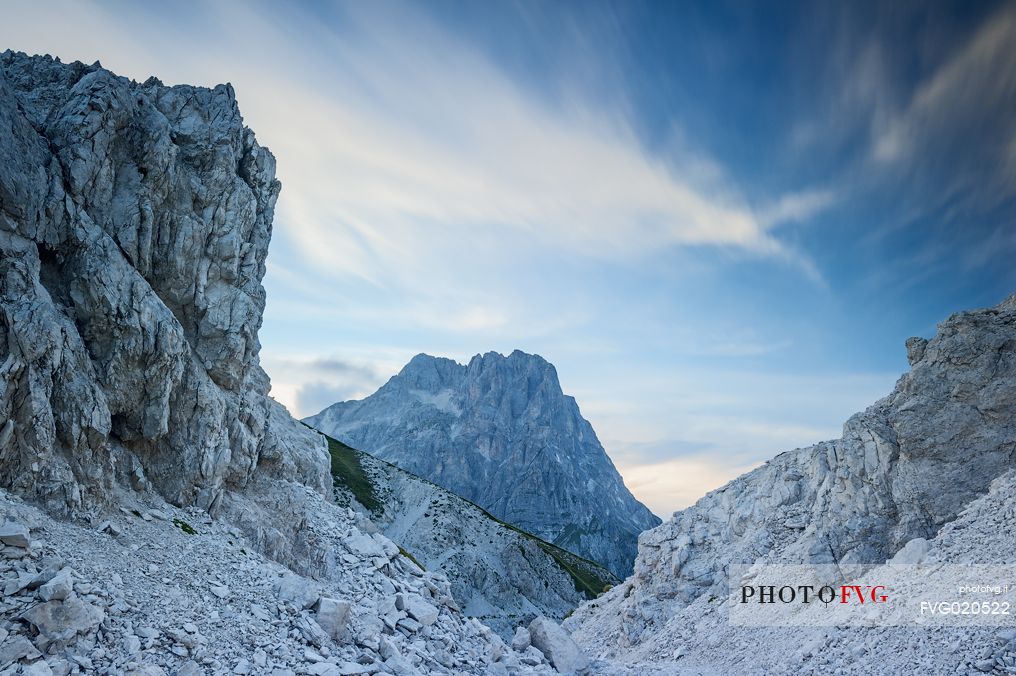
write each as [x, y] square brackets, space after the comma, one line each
[62, 621]
[310, 629]
[50, 568]
[410, 625]
[109, 527]
[555, 643]
[220, 591]
[58, 588]
[420, 610]
[15, 584]
[521, 640]
[190, 668]
[323, 669]
[297, 590]
[39, 668]
[364, 546]
[332, 616]
[399, 665]
[532, 656]
[14, 535]
[16, 648]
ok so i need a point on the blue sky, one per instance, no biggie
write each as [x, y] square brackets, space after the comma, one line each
[720, 220]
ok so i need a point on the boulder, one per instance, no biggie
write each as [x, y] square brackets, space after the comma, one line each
[557, 645]
[59, 587]
[912, 553]
[297, 591]
[14, 535]
[364, 546]
[62, 621]
[521, 640]
[420, 610]
[16, 648]
[332, 616]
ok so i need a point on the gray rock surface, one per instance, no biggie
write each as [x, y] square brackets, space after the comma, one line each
[14, 535]
[143, 603]
[332, 616]
[501, 433]
[134, 224]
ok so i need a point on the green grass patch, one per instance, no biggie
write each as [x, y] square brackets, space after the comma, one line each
[185, 527]
[591, 580]
[348, 473]
[411, 558]
[589, 577]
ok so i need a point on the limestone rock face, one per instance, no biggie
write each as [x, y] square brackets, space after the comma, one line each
[903, 469]
[134, 225]
[501, 433]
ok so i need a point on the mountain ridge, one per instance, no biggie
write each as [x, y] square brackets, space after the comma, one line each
[445, 532]
[500, 431]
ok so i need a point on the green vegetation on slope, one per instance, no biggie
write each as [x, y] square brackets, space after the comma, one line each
[589, 577]
[585, 574]
[348, 473]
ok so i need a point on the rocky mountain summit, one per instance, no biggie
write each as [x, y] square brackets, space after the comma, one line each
[500, 432]
[187, 522]
[928, 469]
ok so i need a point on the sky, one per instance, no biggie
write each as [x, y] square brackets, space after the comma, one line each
[719, 220]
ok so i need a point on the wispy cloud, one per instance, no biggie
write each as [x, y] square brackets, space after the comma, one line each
[410, 161]
[483, 169]
[306, 384]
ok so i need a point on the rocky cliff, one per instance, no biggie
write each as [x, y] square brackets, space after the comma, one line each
[134, 224]
[904, 469]
[501, 433]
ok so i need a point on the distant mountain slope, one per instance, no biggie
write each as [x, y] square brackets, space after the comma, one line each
[501, 433]
[501, 575]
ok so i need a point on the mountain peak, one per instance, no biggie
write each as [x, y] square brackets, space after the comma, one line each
[501, 432]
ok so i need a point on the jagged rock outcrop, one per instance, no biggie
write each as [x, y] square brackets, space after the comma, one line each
[498, 574]
[134, 225]
[501, 433]
[903, 469]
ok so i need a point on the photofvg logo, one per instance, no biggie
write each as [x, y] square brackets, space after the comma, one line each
[887, 595]
[809, 593]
